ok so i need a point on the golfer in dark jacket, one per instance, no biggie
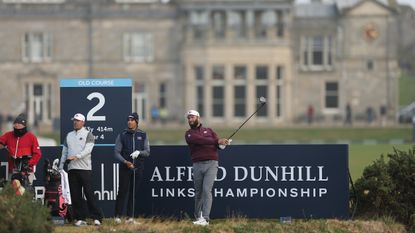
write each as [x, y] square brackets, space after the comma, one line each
[131, 147]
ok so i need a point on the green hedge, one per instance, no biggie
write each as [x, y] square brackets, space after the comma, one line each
[387, 188]
[20, 214]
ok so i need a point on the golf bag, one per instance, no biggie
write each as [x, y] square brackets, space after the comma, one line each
[57, 194]
[20, 175]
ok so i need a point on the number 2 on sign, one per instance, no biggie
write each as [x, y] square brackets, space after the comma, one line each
[101, 101]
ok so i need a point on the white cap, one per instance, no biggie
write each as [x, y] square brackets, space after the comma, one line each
[78, 117]
[192, 113]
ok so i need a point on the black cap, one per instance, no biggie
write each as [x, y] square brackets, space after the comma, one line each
[21, 119]
[134, 115]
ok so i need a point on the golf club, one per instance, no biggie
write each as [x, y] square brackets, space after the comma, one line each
[262, 101]
[134, 188]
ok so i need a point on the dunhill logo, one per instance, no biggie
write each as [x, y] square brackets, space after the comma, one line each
[280, 173]
[251, 173]
[109, 195]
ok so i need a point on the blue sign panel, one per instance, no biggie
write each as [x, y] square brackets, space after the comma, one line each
[301, 181]
[104, 102]
[256, 181]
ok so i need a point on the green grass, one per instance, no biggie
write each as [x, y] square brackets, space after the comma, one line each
[240, 225]
[360, 156]
[406, 90]
[300, 135]
[280, 135]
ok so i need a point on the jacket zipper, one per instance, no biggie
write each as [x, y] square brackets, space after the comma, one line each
[17, 147]
[134, 141]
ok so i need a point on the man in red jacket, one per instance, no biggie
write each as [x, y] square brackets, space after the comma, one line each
[203, 144]
[20, 142]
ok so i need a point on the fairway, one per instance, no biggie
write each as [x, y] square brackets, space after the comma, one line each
[360, 156]
[355, 135]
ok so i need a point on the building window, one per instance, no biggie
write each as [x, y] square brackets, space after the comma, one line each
[261, 72]
[240, 73]
[200, 97]
[219, 24]
[237, 21]
[138, 47]
[240, 100]
[218, 106]
[37, 47]
[162, 95]
[260, 27]
[140, 100]
[198, 21]
[332, 95]
[280, 24]
[317, 52]
[370, 65]
[38, 98]
[279, 94]
[240, 76]
[199, 73]
[139, 87]
[218, 72]
[261, 91]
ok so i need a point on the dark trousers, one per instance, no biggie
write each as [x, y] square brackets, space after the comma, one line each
[125, 189]
[79, 179]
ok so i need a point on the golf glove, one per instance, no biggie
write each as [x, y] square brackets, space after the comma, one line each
[135, 154]
[224, 146]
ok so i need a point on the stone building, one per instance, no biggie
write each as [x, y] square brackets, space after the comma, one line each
[214, 56]
[346, 53]
[233, 53]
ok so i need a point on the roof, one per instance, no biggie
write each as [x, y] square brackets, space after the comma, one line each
[315, 10]
[345, 4]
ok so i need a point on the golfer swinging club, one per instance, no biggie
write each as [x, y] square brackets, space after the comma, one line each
[203, 144]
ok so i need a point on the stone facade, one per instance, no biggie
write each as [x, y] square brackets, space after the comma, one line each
[214, 56]
[359, 42]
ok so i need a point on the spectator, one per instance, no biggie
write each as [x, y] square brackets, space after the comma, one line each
[383, 116]
[21, 142]
[348, 120]
[310, 114]
[369, 115]
[154, 114]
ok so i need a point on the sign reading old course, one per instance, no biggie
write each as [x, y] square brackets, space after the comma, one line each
[105, 103]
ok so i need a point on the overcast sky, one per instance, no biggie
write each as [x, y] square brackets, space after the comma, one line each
[406, 2]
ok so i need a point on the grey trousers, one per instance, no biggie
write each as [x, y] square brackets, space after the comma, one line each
[204, 174]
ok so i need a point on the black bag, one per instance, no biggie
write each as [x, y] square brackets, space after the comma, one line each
[53, 193]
